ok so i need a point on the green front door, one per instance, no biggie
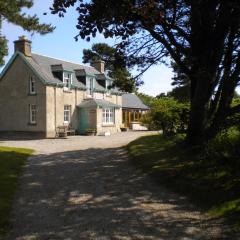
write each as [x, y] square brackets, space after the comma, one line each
[83, 120]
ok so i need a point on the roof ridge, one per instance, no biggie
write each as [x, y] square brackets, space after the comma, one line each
[63, 60]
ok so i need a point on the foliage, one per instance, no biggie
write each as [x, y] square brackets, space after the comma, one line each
[12, 11]
[226, 146]
[201, 37]
[169, 115]
[233, 120]
[11, 164]
[146, 99]
[236, 95]
[124, 80]
[147, 120]
[183, 170]
[3, 50]
[166, 114]
[181, 83]
[180, 93]
[115, 63]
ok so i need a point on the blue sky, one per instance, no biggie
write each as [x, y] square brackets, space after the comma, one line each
[61, 44]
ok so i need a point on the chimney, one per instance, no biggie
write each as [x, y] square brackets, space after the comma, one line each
[23, 45]
[99, 65]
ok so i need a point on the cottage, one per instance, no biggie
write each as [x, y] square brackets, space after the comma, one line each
[39, 94]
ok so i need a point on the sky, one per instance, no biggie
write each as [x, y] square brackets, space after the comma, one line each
[61, 44]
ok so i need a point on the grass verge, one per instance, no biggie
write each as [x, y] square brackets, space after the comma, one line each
[11, 164]
[211, 184]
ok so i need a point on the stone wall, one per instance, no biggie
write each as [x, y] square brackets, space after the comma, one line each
[56, 99]
[15, 100]
[111, 128]
[55, 115]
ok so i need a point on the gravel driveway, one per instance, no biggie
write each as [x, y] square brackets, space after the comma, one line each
[84, 188]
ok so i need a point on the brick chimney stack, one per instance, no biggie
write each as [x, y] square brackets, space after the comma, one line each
[99, 65]
[23, 45]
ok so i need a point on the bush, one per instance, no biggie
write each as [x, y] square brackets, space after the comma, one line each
[226, 145]
[147, 120]
[168, 115]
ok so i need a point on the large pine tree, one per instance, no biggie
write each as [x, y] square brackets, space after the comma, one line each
[115, 63]
[12, 11]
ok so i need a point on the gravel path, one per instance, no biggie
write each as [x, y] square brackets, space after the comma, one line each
[84, 188]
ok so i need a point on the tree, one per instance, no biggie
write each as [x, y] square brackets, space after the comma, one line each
[146, 99]
[100, 51]
[167, 114]
[181, 83]
[115, 63]
[206, 33]
[11, 11]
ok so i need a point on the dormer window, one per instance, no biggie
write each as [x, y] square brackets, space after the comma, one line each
[90, 86]
[32, 85]
[108, 86]
[67, 80]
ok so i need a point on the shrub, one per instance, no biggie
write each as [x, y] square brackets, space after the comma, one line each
[168, 115]
[226, 145]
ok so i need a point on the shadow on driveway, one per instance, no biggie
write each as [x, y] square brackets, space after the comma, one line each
[97, 194]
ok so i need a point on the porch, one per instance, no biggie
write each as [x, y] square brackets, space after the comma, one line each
[98, 115]
[131, 116]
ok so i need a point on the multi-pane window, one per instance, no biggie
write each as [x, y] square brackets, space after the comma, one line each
[33, 113]
[67, 80]
[67, 113]
[108, 116]
[90, 86]
[32, 86]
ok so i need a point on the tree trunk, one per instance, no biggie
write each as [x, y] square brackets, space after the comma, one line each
[198, 121]
[196, 128]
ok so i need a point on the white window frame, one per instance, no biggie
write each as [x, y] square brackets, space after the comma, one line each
[33, 113]
[108, 83]
[90, 86]
[108, 116]
[67, 80]
[67, 113]
[32, 85]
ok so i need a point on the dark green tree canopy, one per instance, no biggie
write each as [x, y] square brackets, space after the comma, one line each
[206, 33]
[115, 63]
[12, 11]
[181, 84]
[100, 51]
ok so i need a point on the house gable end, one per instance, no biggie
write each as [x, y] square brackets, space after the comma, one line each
[36, 73]
[8, 65]
[22, 57]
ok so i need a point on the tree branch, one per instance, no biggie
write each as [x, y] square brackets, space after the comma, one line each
[176, 57]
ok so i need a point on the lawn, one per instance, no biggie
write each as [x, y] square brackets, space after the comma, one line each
[212, 184]
[11, 164]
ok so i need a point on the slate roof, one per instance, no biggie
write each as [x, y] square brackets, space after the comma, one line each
[97, 103]
[42, 65]
[130, 100]
[103, 76]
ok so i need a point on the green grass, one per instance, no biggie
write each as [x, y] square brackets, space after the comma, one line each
[11, 164]
[210, 183]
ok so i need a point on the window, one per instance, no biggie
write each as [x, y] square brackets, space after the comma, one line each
[108, 116]
[90, 86]
[33, 113]
[108, 86]
[67, 113]
[32, 86]
[67, 80]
